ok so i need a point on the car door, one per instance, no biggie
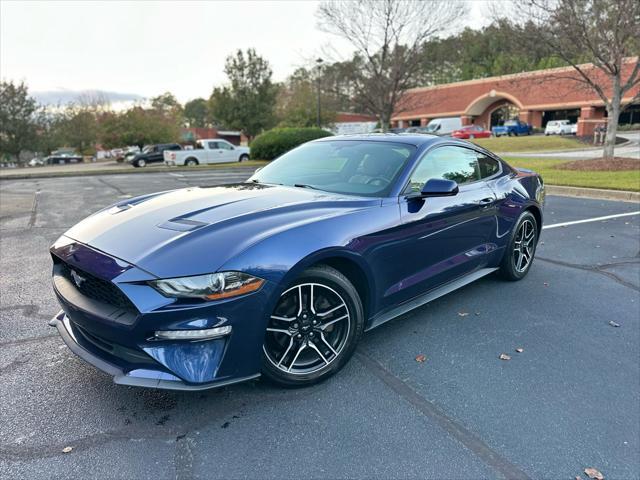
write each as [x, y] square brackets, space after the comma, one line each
[156, 154]
[443, 237]
[229, 151]
[215, 153]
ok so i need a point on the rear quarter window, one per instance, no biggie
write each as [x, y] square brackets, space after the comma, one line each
[488, 166]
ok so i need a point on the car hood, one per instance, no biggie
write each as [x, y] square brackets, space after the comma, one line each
[196, 230]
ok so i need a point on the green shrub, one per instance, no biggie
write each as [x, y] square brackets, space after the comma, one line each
[273, 143]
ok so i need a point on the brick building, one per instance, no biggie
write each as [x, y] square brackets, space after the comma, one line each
[196, 133]
[534, 97]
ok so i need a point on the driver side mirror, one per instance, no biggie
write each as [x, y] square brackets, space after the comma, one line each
[439, 187]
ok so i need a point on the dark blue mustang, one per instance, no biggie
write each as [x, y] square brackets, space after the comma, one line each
[205, 286]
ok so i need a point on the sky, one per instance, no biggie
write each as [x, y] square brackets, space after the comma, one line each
[141, 49]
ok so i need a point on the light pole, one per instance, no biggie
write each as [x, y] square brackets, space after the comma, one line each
[318, 72]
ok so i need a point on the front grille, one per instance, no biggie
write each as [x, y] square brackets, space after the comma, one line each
[96, 288]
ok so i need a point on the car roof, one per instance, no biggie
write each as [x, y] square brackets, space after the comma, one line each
[416, 139]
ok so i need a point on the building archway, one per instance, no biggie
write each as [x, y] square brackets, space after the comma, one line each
[507, 111]
[493, 108]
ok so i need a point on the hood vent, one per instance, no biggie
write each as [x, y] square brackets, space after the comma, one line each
[182, 225]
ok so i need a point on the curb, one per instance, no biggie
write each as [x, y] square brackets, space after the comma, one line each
[136, 171]
[593, 193]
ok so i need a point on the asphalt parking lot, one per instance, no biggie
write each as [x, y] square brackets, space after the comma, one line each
[569, 400]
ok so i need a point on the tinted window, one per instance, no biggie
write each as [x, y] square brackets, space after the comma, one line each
[450, 163]
[213, 145]
[341, 166]
[488, 166]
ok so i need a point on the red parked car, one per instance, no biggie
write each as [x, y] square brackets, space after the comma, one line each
[471, 131]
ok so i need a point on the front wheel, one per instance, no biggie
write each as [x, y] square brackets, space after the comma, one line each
[243, 158]
[521, 249]
[313, 330]
[141, 163]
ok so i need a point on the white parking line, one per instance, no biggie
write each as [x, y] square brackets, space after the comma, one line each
[587, 220]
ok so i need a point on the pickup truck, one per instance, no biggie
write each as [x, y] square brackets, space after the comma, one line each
[211, 150]
[512, 127]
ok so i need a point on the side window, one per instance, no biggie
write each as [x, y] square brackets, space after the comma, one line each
[213, 146]
[175, 147]
[488, 166]
[224, 146]
[450, 163]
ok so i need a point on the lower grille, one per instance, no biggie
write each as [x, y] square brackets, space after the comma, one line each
[96, 288]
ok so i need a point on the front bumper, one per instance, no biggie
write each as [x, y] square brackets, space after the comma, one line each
[139, 377]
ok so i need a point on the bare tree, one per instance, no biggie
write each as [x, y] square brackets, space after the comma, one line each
[605, 33]
[388, 36]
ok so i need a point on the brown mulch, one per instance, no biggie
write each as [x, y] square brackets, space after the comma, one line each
[600, 165]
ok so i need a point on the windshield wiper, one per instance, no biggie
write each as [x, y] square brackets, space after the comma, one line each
[304, 185]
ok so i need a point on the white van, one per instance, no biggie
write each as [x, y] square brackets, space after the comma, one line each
[443, 126]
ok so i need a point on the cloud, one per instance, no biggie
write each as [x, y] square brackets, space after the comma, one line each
[63, 97]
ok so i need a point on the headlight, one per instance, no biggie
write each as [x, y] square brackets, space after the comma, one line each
[214, 286]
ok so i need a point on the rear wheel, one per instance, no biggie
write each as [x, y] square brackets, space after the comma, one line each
[191, 162]
[521, 249]
[313, 330]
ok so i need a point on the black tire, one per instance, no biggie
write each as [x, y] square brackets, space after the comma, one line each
[191, 162]
[342, 337]
[510, 269]
[243, 158]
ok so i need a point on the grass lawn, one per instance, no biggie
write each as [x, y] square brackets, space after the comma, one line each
[529, 143]
[613, 180]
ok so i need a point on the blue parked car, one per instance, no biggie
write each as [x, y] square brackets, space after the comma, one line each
[205, 286]
[512, 127]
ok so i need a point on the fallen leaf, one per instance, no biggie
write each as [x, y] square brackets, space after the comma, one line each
[421, 358]
[67, 449]
[578, 477]
[614, 324]
[463, 314]
[504, 356]
[519, 349]
[593, 473]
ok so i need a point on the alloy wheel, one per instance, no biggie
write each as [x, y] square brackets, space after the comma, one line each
[523, 246]
[308, 329]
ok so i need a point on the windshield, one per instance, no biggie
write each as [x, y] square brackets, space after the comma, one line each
[147, 149]
[511, 123]
[341, 166]
[432, 127]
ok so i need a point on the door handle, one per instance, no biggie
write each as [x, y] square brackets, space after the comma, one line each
[486, 202]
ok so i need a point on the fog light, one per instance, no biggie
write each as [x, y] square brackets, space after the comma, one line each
[206, 334]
